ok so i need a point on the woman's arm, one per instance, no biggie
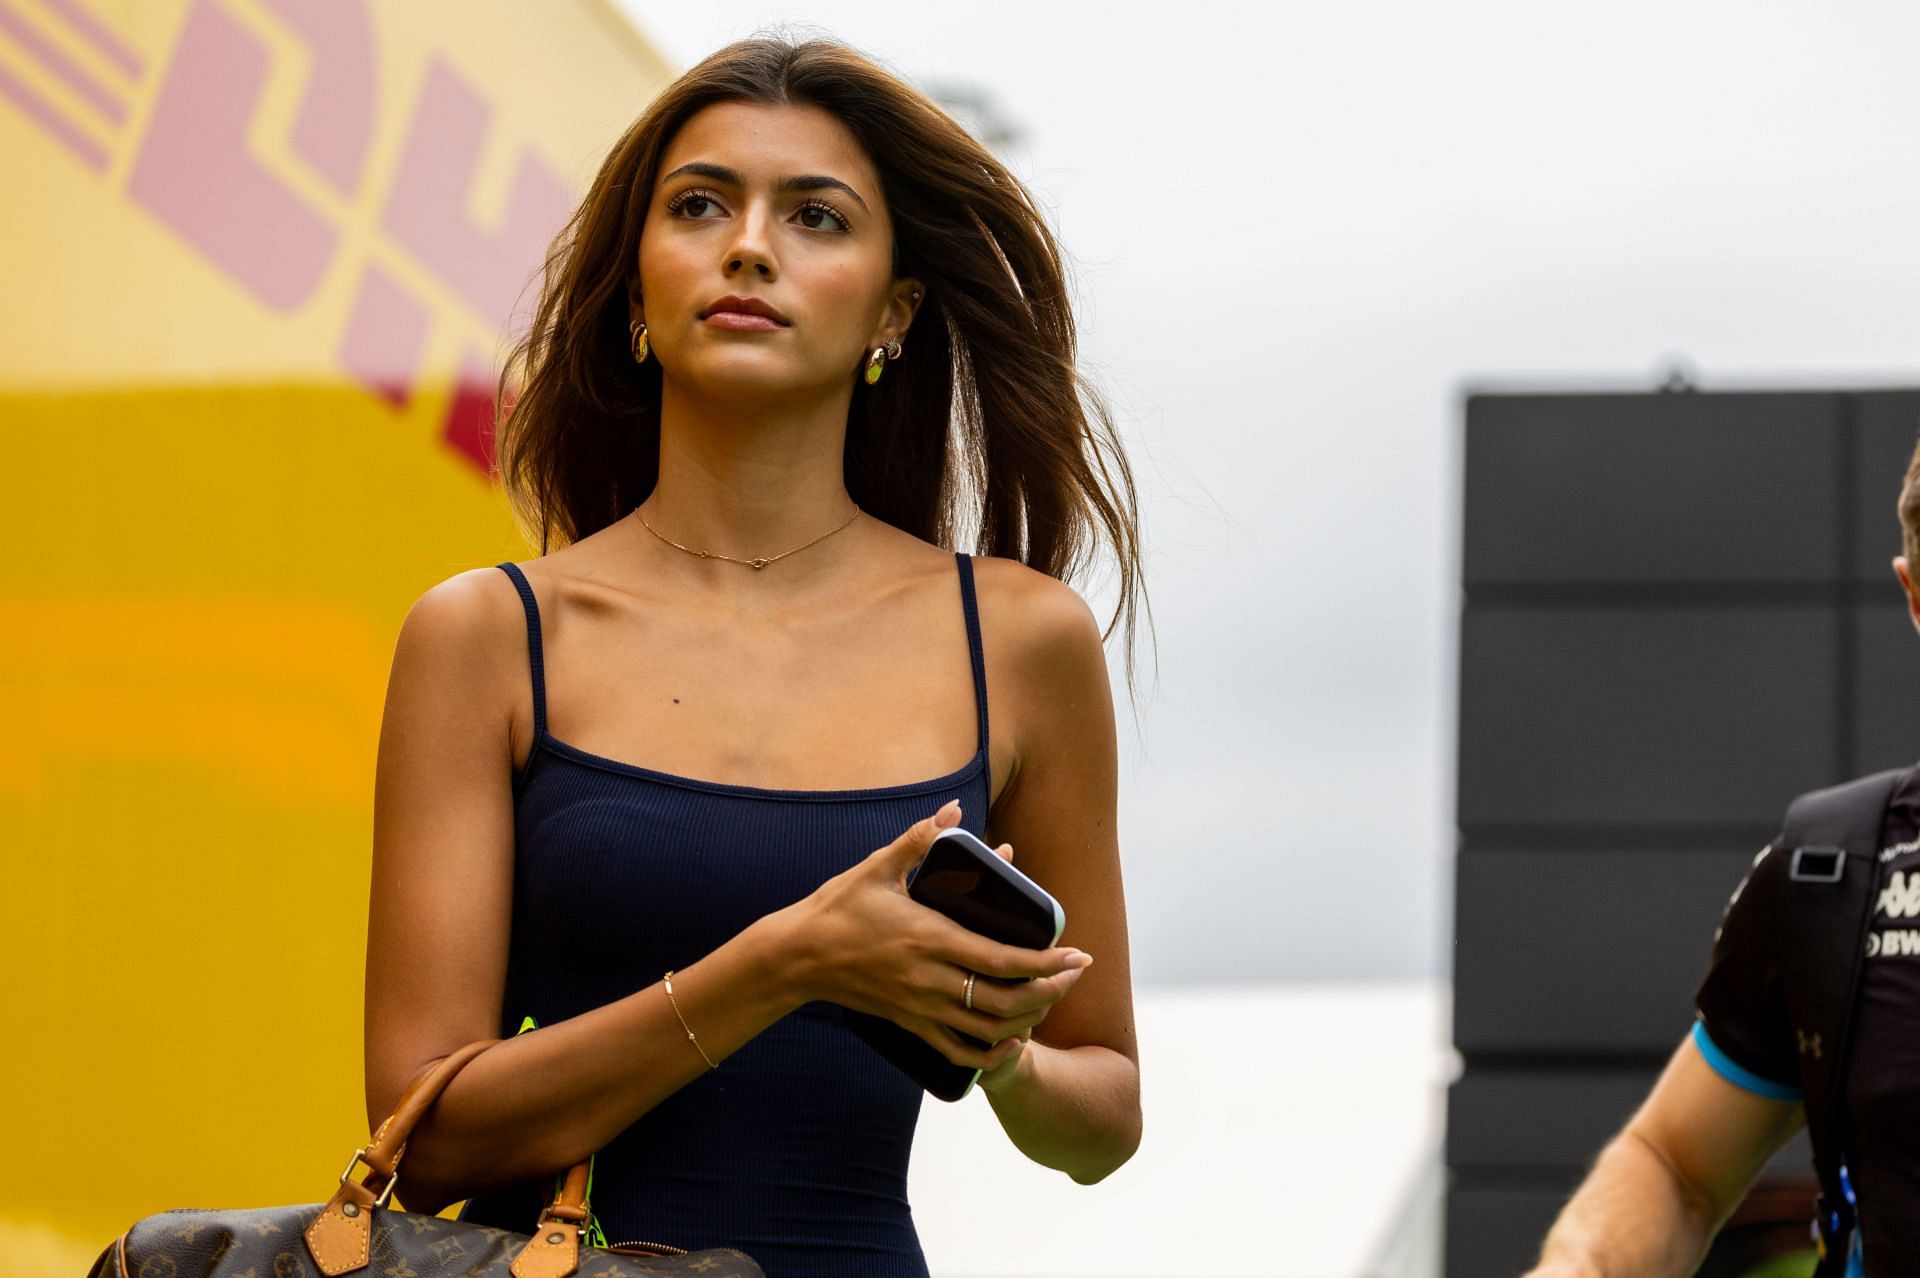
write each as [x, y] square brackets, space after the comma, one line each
[439, 910]
[1071, 1099]
[1661, 1187]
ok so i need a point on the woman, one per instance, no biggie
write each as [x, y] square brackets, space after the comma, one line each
[657, 791]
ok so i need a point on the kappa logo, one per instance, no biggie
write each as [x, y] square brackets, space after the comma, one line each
[1809, 1043]
[1900, 899]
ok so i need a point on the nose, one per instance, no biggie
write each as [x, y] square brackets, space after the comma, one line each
[752, 247]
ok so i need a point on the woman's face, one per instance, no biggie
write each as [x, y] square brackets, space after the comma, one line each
[779, 205]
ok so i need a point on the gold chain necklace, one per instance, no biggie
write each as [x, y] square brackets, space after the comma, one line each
[751, 563]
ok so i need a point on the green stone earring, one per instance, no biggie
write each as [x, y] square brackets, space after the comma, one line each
[876, 362]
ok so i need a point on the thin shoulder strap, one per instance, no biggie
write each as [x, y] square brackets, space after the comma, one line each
[972, 609]
[533, 646]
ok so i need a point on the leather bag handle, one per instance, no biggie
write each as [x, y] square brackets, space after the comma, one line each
[340, 1238]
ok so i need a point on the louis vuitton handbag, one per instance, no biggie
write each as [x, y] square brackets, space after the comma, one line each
[356, 1232]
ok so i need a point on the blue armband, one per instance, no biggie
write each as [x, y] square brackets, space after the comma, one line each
[1740, 1076]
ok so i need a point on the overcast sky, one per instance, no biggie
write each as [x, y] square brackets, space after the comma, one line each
[1297, 231]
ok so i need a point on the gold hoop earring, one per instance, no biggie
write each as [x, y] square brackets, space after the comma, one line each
[876, 362]
[640, 346]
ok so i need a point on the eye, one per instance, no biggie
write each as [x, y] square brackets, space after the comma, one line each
[817, 206]
[685, 198]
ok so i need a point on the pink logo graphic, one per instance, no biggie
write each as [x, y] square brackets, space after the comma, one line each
[196, 170]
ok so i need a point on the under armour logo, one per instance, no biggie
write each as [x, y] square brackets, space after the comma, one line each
[1809, 1043]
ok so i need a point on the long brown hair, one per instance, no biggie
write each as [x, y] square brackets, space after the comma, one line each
[986, 421]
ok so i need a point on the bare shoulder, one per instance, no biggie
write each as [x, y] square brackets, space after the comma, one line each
[468, 629]
[1045, 628]
[470, 611]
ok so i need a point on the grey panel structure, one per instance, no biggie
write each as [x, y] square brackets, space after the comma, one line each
[1636, 715]
[1584, 953]
[1888, 427]
[1541, 1123]
[1678, 614]
[1886, 686]
[1591, 489]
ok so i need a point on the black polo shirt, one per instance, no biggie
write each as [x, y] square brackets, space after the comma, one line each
[1744, 1033]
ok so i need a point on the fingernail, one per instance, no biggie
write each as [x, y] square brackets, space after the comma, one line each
[1079, 959]
[951, 807]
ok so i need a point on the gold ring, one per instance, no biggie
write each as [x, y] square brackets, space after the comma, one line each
[969, 998]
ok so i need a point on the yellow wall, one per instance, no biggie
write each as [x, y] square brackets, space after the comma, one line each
[238, 312]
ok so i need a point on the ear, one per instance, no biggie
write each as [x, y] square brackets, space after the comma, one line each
[1904, 571]
[903, 302]
[636, 307]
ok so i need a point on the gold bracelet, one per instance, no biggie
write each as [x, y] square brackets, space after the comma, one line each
[668, 978]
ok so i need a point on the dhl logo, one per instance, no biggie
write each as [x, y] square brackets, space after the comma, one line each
[265, 198]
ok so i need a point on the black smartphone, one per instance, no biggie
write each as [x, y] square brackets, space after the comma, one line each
[965, 880]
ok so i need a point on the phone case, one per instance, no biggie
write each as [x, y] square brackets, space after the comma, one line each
[963, 879]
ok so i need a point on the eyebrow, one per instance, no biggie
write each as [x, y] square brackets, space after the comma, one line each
[803, 182]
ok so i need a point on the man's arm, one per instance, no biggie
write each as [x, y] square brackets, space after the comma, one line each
[1660, 1189]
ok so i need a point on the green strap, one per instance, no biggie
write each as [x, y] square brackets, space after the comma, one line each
[596, 1237]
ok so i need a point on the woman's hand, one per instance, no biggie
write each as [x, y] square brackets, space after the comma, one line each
[859, 940]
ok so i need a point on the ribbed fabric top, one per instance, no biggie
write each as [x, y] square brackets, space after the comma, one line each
[795, 1150]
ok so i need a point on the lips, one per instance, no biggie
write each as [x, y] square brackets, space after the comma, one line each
[743, 306]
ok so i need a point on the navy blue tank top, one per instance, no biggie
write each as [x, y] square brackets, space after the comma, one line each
[795, 1150]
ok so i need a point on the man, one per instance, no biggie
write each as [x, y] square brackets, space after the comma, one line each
[1771, 1032]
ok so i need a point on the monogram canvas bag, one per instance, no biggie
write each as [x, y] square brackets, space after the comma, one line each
[357, 1232]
